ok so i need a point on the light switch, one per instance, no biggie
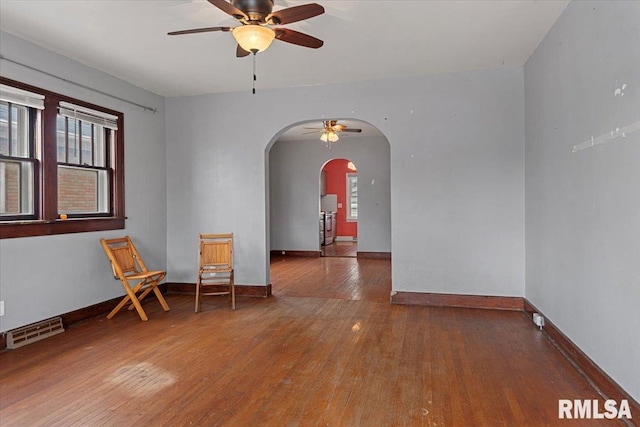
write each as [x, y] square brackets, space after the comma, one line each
[339, 205]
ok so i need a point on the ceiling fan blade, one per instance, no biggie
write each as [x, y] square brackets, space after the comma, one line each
[298, 38]
[294, 14]
[229, 9]
[309, 133]
[351, 130]
[199, 30]
[241, 53]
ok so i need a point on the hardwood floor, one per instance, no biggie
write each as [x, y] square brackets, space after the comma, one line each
[326, 349]
[342, 278]
[340, 249]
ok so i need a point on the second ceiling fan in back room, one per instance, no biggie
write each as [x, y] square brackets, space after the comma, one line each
[257, 18]
[330, 131]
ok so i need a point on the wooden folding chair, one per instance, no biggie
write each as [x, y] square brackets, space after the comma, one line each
[128, 266]
[215, 267]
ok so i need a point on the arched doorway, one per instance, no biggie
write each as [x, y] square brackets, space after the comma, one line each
[293, 163]
[339, 209]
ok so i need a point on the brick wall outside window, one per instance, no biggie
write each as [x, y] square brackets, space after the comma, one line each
[12, 188]
[77, 190]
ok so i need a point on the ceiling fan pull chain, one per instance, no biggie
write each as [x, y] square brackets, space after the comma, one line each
[254, 72]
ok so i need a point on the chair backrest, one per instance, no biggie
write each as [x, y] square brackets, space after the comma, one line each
[216, 251]
[124, 257]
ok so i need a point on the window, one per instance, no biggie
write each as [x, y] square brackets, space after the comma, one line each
[82, 138]
[17, 159]
[352, 197]
[61, 164]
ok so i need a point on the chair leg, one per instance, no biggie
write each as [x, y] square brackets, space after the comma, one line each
[198, 294]
[131, 296]
[117, 308]
[151, 285]
[142, 294]
[136, 301]
[139, 309]
[163, 302]
[233, 291]
[159, 295]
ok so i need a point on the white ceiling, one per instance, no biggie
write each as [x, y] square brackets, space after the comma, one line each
[364, 40]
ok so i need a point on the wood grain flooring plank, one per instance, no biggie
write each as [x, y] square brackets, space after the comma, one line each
[326, 349]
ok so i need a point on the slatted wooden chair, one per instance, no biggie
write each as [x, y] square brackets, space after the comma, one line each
[215, 268]
[128, 266]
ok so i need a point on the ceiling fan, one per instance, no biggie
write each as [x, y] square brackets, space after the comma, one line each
[330, 130]
[256, 18]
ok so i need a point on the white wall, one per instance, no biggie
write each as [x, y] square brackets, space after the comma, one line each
[457, 182]
[46, 276]
[294, 176]
[583, 208]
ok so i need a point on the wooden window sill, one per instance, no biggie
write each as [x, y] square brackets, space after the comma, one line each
[14, 229]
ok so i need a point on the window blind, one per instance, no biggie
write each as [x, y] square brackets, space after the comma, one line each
[88, 115]
[21, 97]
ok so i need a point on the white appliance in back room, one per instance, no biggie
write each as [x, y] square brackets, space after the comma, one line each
[328, 207]
[326, 228]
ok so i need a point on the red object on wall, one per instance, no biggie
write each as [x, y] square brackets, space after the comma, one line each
[337, 171]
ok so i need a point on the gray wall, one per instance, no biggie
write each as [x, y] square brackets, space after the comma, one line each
[46, 276]
[583, 208]
[294, 176]
[457, 181]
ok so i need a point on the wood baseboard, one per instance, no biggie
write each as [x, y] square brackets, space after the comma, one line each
[587, 367]
[95, 310]
[104, 307]
[602, 382]
[374, 255]
[241, 290]
[298, 254]
[456, 300]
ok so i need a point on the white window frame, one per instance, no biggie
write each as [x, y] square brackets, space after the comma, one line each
[28, 106]
[101, 125]
[350, 177]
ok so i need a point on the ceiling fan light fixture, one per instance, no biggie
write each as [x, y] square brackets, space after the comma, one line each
[253, 38]
[329, 136]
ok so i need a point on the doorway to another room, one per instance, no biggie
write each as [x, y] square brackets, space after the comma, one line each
[339, 209]
[299, 171]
